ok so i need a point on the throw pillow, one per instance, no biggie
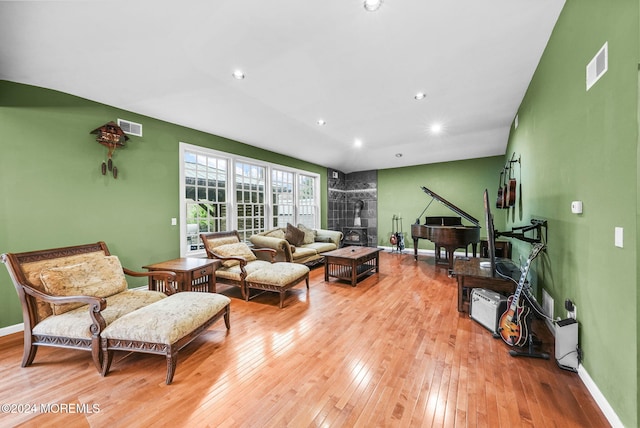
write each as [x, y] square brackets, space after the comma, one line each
[309, 234]
[102, 277]
[276, 233]
[294, 235]
[239, 249]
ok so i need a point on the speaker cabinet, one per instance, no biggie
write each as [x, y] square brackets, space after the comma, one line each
[567, 344]
[486, 307]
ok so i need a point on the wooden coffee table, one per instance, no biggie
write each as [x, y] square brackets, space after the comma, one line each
[351, 263]
[192, 274]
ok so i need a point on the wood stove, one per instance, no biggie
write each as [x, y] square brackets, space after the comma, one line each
[355, 236]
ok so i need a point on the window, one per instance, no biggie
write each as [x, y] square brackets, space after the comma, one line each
[205, 196]
[282, 198]
[220, 191]
[307, 201]
[250, 200]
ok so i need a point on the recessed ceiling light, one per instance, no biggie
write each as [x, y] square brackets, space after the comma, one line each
[420, 96]
[321, 122]
[238, 74]
[372, 5]
[436, 128]
[398, 155]
[357, 143]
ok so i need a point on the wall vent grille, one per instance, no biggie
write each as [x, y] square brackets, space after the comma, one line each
[598, 66]
[130, 128]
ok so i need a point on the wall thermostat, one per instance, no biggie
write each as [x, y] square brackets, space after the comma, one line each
[576, 207]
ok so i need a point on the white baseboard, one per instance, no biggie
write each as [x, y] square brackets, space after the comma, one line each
[601, 401]
[408, 250]
[5, 331]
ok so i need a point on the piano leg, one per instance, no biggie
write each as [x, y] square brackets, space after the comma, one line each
[438, 253]
[415, 248]
[474, 248]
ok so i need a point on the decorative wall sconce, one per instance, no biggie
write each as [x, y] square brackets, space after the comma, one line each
[111, 136]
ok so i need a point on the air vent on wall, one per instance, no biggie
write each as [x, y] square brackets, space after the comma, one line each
[598, 66]
[130, 128]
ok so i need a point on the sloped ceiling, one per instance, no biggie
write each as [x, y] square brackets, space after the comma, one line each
[303, 61]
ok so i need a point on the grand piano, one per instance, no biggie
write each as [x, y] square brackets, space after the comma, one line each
[446, 232]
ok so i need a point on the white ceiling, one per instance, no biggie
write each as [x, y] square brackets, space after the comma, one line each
[303, 61]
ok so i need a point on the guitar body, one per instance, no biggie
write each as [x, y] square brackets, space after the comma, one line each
[511, 192]
[512, 325]
[400, 241]
[505, 199]
[511, 186]
[500, 200]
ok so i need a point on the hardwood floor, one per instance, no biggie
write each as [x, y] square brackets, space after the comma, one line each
[391, 352]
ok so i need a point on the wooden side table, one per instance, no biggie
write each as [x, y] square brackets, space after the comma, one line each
[192, 274]
[470, 275]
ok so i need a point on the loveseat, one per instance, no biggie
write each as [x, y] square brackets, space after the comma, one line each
[291, 246]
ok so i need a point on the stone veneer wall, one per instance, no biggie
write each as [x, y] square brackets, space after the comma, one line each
[344, 191]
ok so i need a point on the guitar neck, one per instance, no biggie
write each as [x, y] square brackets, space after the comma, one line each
[524, 271]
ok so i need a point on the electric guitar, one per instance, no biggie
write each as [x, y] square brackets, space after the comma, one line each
[512, 325]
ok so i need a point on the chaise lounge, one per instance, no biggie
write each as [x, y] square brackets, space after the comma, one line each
[73, 296]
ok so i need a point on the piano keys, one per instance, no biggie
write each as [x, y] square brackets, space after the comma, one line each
[446, 232]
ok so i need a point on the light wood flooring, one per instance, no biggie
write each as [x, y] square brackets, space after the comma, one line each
[391, 352]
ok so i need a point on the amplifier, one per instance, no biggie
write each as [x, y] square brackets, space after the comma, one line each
[486, 307]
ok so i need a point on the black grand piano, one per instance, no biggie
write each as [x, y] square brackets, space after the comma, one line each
[446, 232]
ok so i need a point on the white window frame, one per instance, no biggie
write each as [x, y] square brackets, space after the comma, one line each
[232, 223]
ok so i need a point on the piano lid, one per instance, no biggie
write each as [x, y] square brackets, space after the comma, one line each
[451, 206]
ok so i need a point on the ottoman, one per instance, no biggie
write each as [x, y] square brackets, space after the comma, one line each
[278, 277]
[164, 327]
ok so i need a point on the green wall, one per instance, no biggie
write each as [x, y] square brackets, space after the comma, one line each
[580, 145]
[574, 145]
[53, 194]
[462, 183]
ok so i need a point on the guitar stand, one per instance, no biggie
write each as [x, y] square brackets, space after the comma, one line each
[396, 223]
[531, 343]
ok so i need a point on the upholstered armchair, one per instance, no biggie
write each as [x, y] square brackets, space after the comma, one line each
[238, 259]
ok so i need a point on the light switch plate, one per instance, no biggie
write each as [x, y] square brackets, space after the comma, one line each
[619, 237]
